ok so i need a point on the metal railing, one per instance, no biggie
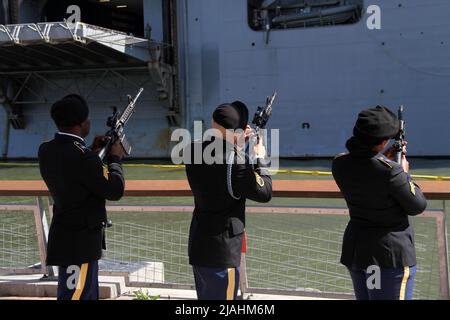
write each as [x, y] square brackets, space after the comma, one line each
[291, 250]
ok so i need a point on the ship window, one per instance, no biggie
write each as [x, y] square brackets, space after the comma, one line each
[121, 15]
[282, 14]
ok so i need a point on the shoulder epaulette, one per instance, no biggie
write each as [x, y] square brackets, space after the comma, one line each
[340, 155]
[384, 162]
[80, 146]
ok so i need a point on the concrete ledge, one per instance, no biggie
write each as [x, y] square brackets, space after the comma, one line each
[111, 287]
[32, 286]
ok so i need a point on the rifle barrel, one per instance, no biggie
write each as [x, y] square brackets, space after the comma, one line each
[129, 109]
[401, 136]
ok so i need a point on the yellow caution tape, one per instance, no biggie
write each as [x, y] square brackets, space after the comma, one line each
[129, 165]
[19, 164]
[279, 171]
[313, 173]
[437, 178]
[158, 166]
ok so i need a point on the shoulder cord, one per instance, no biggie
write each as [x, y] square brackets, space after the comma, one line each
[229, 175]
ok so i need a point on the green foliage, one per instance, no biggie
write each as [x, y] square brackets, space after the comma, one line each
[141, 295]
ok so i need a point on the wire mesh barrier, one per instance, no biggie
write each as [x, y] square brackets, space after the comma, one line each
[291, 249]
[302, 252]
[18, 241]
[154, 252]
[296, 252]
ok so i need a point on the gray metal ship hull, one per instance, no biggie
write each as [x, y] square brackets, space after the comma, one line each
[323, 75]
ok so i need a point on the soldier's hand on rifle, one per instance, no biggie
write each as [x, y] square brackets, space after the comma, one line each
[390, 153]
[117, 150]
[259, 150]
[249, 133]
[405, 164]
[99, 143]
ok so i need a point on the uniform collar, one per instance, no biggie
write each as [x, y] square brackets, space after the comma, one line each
[358, 148]
[227, 145]
[382, 156]
[63, 136]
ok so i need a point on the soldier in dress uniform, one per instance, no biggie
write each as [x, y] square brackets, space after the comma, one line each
[79, 184]
[220, 191]
[378, 246]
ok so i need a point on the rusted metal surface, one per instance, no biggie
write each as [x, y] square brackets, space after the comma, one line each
[175, 188]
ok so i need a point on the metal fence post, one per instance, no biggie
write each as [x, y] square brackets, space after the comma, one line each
[40, 220]
[243, 282]
[50, 208]
[441, 235]
[443, 250]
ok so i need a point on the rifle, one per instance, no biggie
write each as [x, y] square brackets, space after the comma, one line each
[400, 138]
[263, 114]
[117, 123]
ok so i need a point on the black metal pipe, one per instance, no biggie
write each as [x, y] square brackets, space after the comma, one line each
[298, 17]
[14, 11]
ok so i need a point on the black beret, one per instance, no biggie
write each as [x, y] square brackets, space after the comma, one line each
[231, 115]
[70, 111]
[376, 123]
[243, 113]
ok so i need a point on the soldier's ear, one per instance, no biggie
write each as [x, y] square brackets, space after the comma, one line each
[85, 127]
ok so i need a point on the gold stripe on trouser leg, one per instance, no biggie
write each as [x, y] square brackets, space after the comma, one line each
[404, 281]
[81, 282]
[231, 283]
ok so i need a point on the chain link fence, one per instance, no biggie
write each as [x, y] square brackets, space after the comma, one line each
[292, 249]
[18, 242]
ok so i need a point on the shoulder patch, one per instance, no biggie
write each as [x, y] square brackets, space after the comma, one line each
[384, 162]
[80, 146]
[412, 188]
[105, 172]
[259, 180]
[340, 155]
